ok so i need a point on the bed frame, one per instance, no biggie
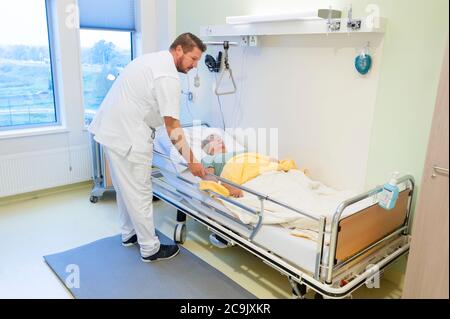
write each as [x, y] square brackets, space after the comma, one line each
[360, 247]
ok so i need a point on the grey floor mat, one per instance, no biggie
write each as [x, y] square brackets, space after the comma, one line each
[105, 269]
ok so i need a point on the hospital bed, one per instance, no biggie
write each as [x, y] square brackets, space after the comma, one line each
[355, 243]
[100, 169]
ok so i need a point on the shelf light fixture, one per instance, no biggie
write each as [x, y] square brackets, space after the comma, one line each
[291, 16]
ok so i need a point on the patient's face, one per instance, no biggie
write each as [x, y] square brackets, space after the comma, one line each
[215, 145]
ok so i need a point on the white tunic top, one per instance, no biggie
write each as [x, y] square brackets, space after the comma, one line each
[146, 90]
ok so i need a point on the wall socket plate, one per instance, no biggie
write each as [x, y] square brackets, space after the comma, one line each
[250, 40]
[253, 41]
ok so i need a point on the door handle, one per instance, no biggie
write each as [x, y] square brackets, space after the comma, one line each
[439, 170]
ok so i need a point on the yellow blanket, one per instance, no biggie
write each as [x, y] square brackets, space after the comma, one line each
[215, 187]
[244, 167]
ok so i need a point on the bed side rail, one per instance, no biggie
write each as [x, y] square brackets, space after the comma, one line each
[368, 226]
[248, 190]
[195, 123]
[359, 233]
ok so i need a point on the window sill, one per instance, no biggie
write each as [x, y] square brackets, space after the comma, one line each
[33, 132]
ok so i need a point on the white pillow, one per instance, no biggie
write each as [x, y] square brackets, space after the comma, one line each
[195, 136]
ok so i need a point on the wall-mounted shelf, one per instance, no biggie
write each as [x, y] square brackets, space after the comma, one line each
[319, 26]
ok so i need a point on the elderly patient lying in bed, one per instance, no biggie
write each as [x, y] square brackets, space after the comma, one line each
[280, 180]
[237, 167]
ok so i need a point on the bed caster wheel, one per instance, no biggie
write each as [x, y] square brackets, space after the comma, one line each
[299, 291]
[179, 234]
[181, 217]
[93, 199]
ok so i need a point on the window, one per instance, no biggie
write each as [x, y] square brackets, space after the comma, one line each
[104, 54]
[26, 83]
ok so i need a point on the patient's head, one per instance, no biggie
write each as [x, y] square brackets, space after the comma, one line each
[213, 144]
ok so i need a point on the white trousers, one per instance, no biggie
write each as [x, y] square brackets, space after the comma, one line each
[134, 195]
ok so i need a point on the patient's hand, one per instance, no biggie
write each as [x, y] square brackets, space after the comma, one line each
[212, 176]
[235, 192]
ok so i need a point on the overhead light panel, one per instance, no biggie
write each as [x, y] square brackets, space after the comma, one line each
[292, 16]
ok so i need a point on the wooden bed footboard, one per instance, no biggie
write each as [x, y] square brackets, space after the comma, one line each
[358, 231]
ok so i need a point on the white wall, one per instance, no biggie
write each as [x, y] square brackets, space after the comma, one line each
[307, 87]
[155, 25]
[166, 27]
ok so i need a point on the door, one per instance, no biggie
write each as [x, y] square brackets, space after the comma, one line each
[427, 269]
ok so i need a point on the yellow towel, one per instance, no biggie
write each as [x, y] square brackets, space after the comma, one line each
[244, 167]
[215, 187]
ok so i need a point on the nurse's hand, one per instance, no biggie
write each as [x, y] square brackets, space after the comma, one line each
[197, 169]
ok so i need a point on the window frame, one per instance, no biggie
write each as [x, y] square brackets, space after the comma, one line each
[56, 106]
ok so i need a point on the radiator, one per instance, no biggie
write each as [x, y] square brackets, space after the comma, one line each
[32, 171]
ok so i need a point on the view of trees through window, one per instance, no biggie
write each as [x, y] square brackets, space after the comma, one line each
[103, 54]
[26, 85]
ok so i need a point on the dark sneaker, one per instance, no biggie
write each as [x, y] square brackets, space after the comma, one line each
[164, 252]
[130, 242]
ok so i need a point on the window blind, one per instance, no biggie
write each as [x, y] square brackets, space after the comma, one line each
[107, 14]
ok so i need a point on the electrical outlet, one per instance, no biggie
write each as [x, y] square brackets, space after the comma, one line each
[244, 41]
[253, 41]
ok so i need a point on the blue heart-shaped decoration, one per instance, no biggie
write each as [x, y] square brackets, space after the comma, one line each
[363, 63]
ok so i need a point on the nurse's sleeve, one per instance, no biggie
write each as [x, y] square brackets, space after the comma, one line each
[167, 90]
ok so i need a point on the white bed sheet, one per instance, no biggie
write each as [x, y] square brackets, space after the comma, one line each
[295, 189]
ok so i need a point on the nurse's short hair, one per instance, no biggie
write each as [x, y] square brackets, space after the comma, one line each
[188, 42]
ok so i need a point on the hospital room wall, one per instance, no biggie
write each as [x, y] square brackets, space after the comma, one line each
[409, 64]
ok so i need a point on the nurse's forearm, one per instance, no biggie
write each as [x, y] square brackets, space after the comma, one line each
[178, 139]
